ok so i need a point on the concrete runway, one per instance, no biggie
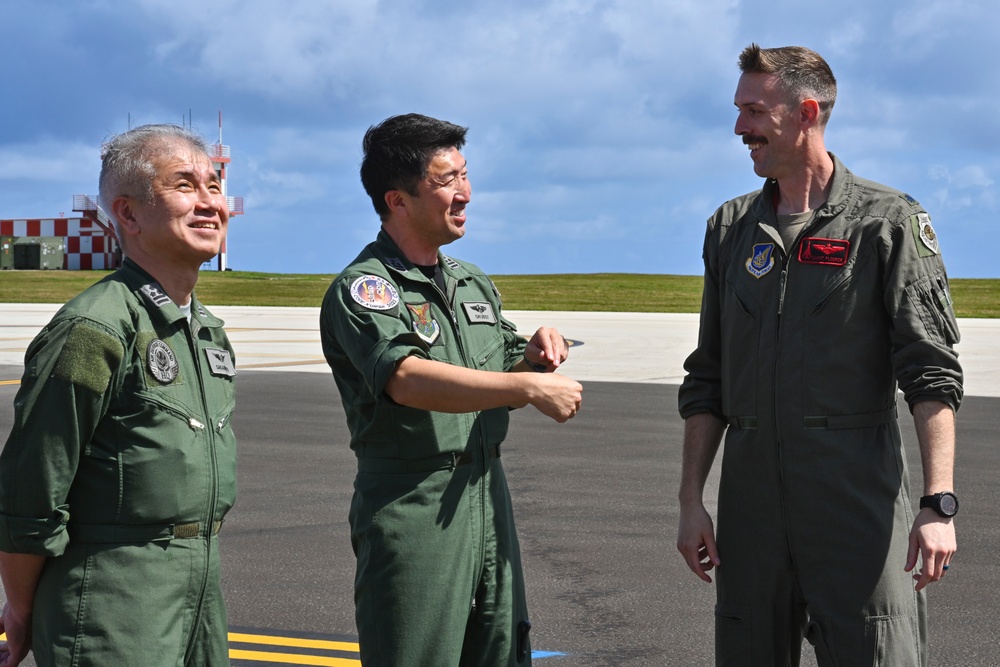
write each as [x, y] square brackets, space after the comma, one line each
[594, 498]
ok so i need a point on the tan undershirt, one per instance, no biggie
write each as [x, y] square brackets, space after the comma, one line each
[789, 227]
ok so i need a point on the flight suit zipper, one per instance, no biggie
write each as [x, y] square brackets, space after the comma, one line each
[191, 333]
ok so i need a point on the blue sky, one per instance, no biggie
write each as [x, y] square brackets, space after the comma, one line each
[600, 131]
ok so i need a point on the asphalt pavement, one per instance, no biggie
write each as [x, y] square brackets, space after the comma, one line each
[594, 498]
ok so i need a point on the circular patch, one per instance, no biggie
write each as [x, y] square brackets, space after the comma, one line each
[161, 361]
[374, 293]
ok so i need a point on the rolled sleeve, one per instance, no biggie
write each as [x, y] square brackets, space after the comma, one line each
[40, 537]
[924, 328]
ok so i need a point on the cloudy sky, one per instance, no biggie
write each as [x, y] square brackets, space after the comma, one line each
[600, 130]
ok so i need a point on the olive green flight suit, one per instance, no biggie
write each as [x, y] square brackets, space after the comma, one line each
[120, 467]
[439, 577]
[801, 353]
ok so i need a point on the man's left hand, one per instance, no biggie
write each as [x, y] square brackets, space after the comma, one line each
[933, 539]
[547, 348]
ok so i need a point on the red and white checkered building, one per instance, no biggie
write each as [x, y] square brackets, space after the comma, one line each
[90, 241]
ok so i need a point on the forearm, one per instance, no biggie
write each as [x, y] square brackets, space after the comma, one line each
[702, 436]
[935, 426]
[20, 574]
[436, 386]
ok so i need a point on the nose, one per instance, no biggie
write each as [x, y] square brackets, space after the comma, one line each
[740, 127]
[465, 188]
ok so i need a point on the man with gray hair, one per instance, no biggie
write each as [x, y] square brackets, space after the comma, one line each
[824, 292]
[121, 463]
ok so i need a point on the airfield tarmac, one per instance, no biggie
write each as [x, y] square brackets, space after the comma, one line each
[594, 498]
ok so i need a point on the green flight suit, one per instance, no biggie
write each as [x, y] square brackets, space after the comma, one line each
[801, 353]
[439, 578]
[120, 467]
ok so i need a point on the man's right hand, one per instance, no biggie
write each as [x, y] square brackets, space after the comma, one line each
[18, 643]
[556, 396]
[696, 541]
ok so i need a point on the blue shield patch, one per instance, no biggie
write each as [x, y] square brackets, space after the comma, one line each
[762, 259]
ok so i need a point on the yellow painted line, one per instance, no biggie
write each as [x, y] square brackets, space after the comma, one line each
[6, 382]
[293, 641]
[292, 659]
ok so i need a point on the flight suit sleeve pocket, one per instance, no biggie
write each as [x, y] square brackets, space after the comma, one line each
[931, 304]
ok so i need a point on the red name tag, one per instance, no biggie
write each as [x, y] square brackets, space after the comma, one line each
[833, 252]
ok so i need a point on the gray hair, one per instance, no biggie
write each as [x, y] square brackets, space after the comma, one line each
[127, 162]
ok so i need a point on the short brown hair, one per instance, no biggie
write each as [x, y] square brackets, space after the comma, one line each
[802, 73]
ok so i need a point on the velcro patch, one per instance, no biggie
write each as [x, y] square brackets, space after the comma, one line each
[374, 293]
[155, 294]
[89, 357]
[220, 362]
[479, 312]
[831, 252]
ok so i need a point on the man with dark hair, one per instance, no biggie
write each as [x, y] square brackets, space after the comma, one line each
[428, 369]
[121, 463]
[824, 292]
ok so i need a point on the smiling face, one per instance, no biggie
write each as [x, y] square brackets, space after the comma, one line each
[185, 223]
[437, 212]
[769, 125]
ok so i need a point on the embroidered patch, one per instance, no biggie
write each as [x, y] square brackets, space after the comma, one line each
[423, 324]
[924, 234]
[161, 361]
[155, 294]
[374, 293]
[762, 259]
[395, 263]
[220, 362]
[832, 252]
[452, 264]
[479, 312]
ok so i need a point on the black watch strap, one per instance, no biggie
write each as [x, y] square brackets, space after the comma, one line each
[944, 503]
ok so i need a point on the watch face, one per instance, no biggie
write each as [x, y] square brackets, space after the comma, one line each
[949, 504]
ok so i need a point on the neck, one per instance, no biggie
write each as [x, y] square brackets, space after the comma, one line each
[809, 187]
[417, 250]
[177, 283]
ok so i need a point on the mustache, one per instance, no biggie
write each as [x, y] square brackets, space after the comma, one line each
[751, 139]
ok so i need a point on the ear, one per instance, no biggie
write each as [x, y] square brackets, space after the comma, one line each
[809, 112]
[396, 201]
[121, 210]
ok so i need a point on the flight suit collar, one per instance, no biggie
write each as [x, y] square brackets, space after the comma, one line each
[841, 192]
[161, 306]
[393, 258]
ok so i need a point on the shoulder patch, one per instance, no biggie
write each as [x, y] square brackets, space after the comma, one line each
[452, 264]
[374, 293]
[89, 358]
[924, 235]
[909, 200]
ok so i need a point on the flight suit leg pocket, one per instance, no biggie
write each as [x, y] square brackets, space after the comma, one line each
[893, 640]
[733, 636]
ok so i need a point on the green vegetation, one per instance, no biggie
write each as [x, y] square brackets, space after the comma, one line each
[616, 292]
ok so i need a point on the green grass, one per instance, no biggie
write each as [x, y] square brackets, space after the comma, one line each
[615, 292]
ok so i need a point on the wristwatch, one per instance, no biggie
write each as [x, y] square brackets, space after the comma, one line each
[944, 503]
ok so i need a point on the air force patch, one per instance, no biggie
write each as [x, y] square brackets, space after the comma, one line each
[374, 293]
[161, 361]
[762, 259]
[924, 234]
[424, 324]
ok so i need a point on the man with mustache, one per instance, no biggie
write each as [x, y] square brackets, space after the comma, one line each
[823, 293]
[427, 374]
